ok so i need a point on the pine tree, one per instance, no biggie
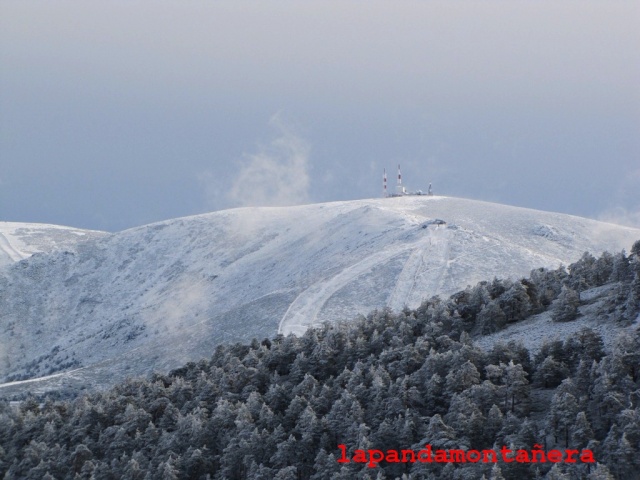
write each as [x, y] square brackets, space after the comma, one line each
[167, 471]
[516, 383]
[626, 458]
[464, 377]
[491, 318]
[494, 424]
[620, 271]
[496, 473]
[556, 473]
[287, 473]
[581, 432]
[632, 304]
[591, 345]
[562, 415]
[601, 472]
[603, 268]
[325, 466]
[439, 435]
[582, 272]
[550, 373]
[565, 307]
[435, 399]
[515, 303]
[609, 447]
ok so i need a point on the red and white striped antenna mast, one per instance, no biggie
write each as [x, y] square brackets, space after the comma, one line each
[399, 188]
[384, 183]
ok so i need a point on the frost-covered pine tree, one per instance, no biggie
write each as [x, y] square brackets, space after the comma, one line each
[565, 307]
[581, 431]
[620, 271]
[632, 305]
[491, 318]
[601, 472]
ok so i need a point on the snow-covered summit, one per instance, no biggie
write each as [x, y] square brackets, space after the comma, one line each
[21, 240]
[154, 297]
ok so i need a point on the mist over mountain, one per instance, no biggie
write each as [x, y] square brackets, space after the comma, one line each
[151, 298]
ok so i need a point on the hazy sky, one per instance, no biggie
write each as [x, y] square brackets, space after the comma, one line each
[118, 113]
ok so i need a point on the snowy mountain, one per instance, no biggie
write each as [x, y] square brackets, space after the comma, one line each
[157, 296]
[21, 240]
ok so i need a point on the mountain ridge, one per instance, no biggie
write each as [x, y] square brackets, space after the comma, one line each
[195, 282]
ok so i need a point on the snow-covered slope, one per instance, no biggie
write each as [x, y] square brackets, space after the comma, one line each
[21, 240]
[154, 297]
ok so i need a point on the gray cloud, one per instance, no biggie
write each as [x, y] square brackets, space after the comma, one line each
[111, 110]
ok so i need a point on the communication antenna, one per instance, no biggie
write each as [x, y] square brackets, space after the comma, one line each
[384, 183]
[399, 188]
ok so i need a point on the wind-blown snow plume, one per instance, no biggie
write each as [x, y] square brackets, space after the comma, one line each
[628, 193]
[211, 186]
[185, 301]
[276, 175]
[621, 216]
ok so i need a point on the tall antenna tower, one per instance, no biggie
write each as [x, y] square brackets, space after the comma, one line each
[384, 183]
[399, 188]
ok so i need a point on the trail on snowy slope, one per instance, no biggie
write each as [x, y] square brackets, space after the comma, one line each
[14, 254]
[433, 253]
[304, 310]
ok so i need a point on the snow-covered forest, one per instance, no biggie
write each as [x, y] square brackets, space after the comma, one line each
[279, 408]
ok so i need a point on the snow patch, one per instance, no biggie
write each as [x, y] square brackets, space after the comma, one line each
[549, 232]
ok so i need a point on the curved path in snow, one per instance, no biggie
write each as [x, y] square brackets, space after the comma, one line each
[303, 311]
[14, 254]
[434, 253]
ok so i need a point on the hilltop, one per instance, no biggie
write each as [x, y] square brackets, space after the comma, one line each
[157, 296]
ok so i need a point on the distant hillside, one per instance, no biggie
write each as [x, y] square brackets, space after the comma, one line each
[154, 297]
